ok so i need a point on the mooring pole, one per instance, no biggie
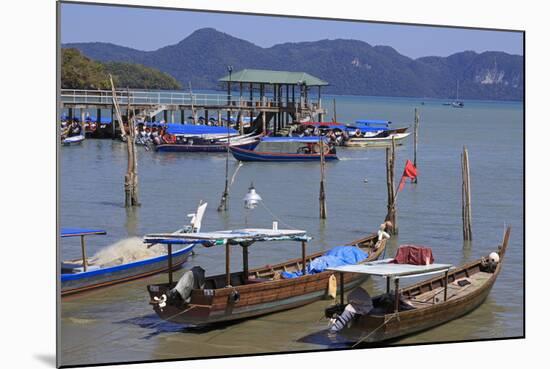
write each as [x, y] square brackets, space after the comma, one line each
[466, 197]
[390, 170]
[225, 195]
[416, 124]
[334, 110]
[322, 197]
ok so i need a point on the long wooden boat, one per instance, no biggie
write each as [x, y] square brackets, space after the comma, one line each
[269, 156]
[85, 274]
[377, 141]
[425, 304]
[198, 144]
[233, 296]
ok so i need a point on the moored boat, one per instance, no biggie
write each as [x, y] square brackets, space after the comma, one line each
[234, 296]
[309, 149]
[377, 141]
[417, 307]
[85, 274]
[73, 140]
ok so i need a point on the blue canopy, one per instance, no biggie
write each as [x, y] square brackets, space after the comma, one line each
[74, 232]
[305, 139]
[373, 122]
[192, 129]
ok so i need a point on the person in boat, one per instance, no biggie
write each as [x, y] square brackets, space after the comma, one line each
[357, 133]
[382, 234]
[74, 129]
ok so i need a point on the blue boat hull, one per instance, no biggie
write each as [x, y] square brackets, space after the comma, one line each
[84, 281]
[249, 155]
[201, 148]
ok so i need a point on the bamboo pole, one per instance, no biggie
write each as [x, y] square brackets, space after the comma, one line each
[466, 197]
[322, 197]
[416, 124]
[117, 111]
[334, 110]
[225, 194]
[390, 171]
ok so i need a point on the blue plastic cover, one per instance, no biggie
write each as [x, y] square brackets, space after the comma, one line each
[373, 122]
[337, 256]
[74, 232]
[192, 129]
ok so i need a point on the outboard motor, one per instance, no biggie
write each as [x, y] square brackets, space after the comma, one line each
[359, 303]
[191, 279]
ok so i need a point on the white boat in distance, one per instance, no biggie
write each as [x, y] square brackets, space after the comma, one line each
[377, 141]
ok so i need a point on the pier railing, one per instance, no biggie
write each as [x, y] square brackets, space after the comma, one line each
[155, 98]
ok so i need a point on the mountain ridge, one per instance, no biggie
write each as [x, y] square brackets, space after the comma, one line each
[351, 67]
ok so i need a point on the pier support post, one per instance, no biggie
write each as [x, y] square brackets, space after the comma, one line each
[182, 116]
[466, 197]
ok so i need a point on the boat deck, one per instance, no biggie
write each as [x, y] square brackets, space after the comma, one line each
[454, 290]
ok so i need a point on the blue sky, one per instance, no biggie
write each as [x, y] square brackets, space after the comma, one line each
[150, 29]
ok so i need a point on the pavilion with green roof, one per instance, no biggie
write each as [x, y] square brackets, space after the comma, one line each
[288, 91]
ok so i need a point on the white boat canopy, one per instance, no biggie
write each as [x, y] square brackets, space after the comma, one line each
[384, 268]
[237, 236]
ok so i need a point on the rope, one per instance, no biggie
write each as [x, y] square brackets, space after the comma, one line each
[377, 328]
[235, 173]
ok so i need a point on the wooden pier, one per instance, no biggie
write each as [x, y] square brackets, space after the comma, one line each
[271, 99]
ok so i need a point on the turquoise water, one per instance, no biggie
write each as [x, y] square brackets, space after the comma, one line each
[117, 324]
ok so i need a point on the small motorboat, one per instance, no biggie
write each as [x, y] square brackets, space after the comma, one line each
[85, 274]
[73, 140]
[454, 292]
[308, 149]
[238, 295]
[376, 140]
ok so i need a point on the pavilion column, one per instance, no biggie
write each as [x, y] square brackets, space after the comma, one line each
[251, 103]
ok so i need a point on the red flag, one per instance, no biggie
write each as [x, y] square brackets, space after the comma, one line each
[409, 172]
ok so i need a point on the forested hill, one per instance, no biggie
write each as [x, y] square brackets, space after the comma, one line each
[80, 72]
[350, 66]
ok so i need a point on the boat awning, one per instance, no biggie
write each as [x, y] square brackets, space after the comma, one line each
[384, 268]
[328, 124]
[238, 236]
[199, 129]
[305, 139]
[74, 232]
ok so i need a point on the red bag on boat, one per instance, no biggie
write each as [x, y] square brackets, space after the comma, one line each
[415, 255]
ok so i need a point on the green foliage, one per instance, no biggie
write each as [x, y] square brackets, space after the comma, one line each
[140, 76]
[81, 72]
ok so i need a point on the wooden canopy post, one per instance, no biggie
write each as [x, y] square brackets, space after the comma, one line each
[390, 170]
[322, 197]
[388, 281]
[170, 277]
[227, 264]
[466, 197]
[304, 257]
[245, 263]
[446, 282]
[83, 246]
[341, 288]
[416, 124]
[396, 282]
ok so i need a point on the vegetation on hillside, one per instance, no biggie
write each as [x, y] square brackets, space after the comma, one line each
[81, 72]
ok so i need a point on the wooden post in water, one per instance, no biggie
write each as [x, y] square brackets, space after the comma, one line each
[117, 111]
[225, 194]
[322, 197]
[466, 197]
[390, 170]
[334, 110]
[416, 124]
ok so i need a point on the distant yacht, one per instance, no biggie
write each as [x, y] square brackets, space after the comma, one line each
[457, 103]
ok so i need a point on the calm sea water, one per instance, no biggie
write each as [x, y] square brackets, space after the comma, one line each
[117, 324]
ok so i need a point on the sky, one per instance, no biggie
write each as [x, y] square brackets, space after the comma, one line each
[150, 29]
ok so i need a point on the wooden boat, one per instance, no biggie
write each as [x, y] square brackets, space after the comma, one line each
[74, 140]
[425, 304]
[85, 274]
[199, 144]
[233, 296]
[310, 151]
[377, 141]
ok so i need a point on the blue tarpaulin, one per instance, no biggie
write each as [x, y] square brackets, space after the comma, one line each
[337, 256]
[192, 129]
[311, 139]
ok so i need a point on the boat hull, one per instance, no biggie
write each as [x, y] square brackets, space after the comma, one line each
[376, 141]
[202, 148]
[93, 279]
[249, 155]
[71, 141]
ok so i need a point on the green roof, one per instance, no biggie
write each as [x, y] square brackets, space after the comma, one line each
[273, 77]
